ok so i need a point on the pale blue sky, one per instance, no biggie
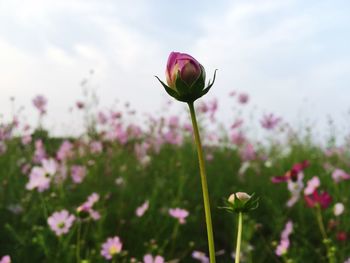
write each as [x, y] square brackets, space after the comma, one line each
[292, 57]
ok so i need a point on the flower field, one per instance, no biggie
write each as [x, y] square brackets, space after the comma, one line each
[124, 192]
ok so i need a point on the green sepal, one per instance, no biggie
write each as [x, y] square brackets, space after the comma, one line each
[198, 86]
[240, 206]
[169, 90]
[181, 86]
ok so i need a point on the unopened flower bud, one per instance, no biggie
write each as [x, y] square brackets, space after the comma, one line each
[185, 77]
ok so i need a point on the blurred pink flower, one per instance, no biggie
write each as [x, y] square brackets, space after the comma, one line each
[141, 210]
[102, 118]
[111, 247]
[60, 222]
[40, 102]
[247, 153]
[292, 174]
[312, 185]
[283, 246]
[96, 147]
[174, 122]
[40, 152]
[323, 199]
[179, 214]
[339, 175]
[87, 206]
[5, 259]
[78, 173]
[243, 98]
[237, 138]
[49, 166]
[65, 151]
[26, 139]
[270, 121]
[149, 259]
[141, 151]
[200, 256]
[295, 188]
[38, 179]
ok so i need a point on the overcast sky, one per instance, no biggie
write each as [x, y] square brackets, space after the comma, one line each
[292, 57]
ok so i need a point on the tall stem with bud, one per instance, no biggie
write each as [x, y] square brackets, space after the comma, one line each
[204, 184]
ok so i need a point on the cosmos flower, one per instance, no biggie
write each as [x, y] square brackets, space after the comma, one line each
[339, 175]
[40, 102]
[269, 121]
[87, 206]
[38, 179]
[111, 247]
[179, 214]
[5, 259]
[78, 173]
[323, 199]
[60, 222]
[293, 173]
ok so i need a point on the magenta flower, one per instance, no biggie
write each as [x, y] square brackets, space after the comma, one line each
[87, 206]
[179, 214]
[339, 175]
[243, 98]
[184, 66]
[323, 199]
[270, 121]
[141, 210]
[5, 259]
[78, 173]
[61, 222]
[111, 247]
[185, 78]
[40, 102]
[292, 174]
[150, 259]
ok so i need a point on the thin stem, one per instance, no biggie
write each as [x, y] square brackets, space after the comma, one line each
[78, 243]
[320, 221]
[326, 241]
[239, 237]
[204, 184]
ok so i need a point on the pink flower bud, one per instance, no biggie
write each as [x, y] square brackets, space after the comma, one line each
[183, 65]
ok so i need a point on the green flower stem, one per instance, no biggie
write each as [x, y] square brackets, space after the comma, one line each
[204, 184]
[77, 251]
[326, 241]
[239, 237]
[320, 221]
